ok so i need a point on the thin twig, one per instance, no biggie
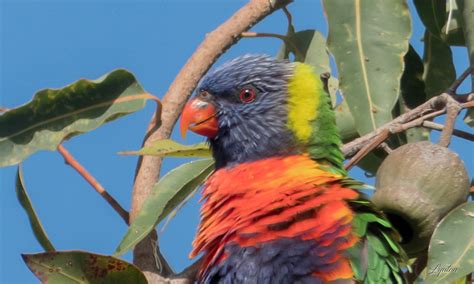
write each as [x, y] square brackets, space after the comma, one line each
[289, 17]
[367, 148]
[148, 168]
[284, 38]
[456, 132]
[3, 109]
[455, 85]
[433, 107]
[93, 182]
[452, 110]
[386, 148]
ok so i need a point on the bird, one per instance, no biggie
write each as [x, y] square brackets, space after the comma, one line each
[279, 207]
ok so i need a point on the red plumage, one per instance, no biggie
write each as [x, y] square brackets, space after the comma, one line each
[283, 197]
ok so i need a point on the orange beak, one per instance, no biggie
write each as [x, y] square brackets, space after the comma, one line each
[200, 117]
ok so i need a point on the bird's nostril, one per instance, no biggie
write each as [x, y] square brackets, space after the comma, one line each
[200, 104]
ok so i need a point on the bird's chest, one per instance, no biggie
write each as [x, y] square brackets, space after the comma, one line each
[274, 212]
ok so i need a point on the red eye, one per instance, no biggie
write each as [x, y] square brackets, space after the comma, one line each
[247, 95]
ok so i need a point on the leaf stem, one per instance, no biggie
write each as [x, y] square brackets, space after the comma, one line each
[284, 38]
[70, 160]
[367, 148]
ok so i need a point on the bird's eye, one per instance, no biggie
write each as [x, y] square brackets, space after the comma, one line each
[204, 95]
[247, 95]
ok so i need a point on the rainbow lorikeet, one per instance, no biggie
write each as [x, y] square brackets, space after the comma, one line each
[280, 208]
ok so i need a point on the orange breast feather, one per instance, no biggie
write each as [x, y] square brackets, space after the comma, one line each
[271, 199]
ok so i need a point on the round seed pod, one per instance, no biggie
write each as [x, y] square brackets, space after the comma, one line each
[416, 186]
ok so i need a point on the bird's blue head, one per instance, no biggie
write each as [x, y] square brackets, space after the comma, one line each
[255, 107]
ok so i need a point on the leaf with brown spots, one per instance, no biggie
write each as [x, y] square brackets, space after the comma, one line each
[82, 267]
[53, 116]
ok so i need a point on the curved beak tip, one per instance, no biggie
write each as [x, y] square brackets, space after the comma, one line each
[199, 117]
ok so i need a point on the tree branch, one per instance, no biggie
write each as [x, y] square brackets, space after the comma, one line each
[433, 107]
[455, 85]
[284, 38]
[148, 168]
[367, 148]
[456, 132]
[452, 110]
[93, 182]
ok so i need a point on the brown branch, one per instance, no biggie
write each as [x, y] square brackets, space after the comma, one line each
[148, 168]
[93, 182]
[289, 17]
[367, 148]
[452, 110]
[455, 85]
[3, 109]
[433, 107]
[446, 102]
[456, 132]
[386, 148]
[284, 38]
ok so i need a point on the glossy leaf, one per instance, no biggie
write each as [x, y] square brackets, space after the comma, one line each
[35, 223]
[451, 250]
[55, 115]
[170, 148]
[433, 14]
[168, 193]
[368, 40]
[439, 71]
[82, 267]
[413, 94]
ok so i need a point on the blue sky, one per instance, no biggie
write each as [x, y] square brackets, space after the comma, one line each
[48, 44]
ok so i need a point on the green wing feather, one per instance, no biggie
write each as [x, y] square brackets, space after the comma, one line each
[378, 258]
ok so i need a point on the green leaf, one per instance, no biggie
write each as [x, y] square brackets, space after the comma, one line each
[170, 148]
[412, 85]
[345, 122]
[467, 8]
[451, 250]
[312, 45]
[469, 118]
[55, 115]
[168, 193]
[452, 32]
[412, 93]
[439, 71]
[433, 14]
[333, 87]
[368, 40]
[82, 267]
[35, 222]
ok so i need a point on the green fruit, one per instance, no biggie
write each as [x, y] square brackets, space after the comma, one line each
[417, 185]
